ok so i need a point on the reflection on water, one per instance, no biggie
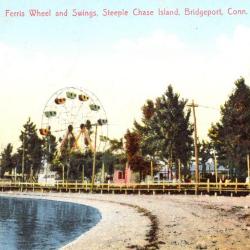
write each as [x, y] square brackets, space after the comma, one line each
[42, 224]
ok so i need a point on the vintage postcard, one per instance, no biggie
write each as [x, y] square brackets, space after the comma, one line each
[139, 111]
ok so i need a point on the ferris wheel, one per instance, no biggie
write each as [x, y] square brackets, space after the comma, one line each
[76, 115]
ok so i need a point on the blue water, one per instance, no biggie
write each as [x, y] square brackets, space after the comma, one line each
[42, 224]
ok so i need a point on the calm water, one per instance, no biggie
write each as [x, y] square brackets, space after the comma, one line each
[42, 224]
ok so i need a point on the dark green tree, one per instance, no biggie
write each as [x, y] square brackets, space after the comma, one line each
[116, 146]
[165, 130]
[49, 146]
[231, 135]
[147, 130]
[17, 162]
[205, 153]
[76, 162]
[30, 150]
[111, 162]
[6, 162]
[114, 157]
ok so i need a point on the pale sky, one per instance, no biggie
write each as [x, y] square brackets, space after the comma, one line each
[123, 61]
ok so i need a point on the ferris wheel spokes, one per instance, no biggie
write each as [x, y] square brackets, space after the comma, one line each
[75, 107]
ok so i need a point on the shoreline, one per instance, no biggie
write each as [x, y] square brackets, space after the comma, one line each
[112, 233]
[160, 221]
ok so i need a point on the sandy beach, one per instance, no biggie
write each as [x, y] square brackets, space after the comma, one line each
[161, 221]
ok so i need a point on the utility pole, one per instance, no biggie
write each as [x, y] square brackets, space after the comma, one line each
[94, 160]
[82, 173]
[179, 169]
[193, 106]
[248, 168]
[63, 173]
[100, 122]
[152, 171]
[215, 169]
[103, 173]
[23, 159]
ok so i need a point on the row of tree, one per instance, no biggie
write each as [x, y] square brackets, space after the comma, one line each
[35, 152]
[163, 136]
[28, 158]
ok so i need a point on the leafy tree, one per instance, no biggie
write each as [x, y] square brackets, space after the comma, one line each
[205, 153]
[165, 130]
[49, 146]
[114, 157]
[17, 162]
[148, 131]
[76, 162]
[73, 161]
[134, 157]
[116, 146]
[110, 161]
[31, 149]
[6, 161]
[231, 135]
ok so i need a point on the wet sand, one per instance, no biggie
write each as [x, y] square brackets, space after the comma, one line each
[162, 221]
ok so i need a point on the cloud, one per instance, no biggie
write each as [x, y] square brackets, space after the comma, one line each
[123, 76]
